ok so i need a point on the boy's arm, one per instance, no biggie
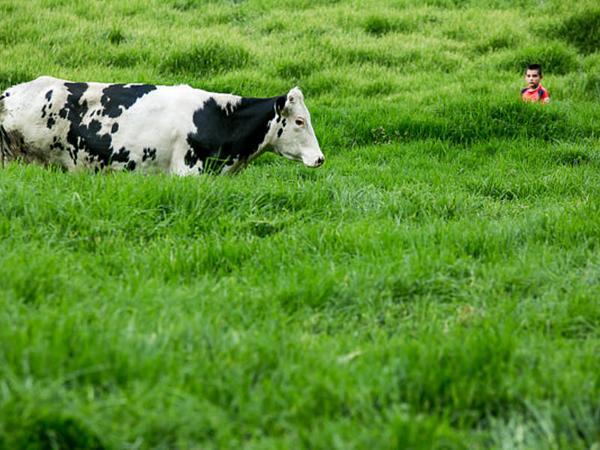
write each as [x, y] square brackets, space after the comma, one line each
[544, 97]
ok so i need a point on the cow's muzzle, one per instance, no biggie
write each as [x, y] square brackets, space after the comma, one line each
[317, 163]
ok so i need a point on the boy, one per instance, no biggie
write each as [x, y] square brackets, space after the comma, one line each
[534, 92]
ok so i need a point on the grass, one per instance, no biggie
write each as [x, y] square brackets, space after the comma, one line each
[434, 285]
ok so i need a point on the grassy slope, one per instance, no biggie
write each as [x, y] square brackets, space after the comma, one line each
[434, 285]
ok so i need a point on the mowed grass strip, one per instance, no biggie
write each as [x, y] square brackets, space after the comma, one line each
[434, 285]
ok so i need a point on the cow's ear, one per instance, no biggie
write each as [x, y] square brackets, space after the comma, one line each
[295, 95]
[280, 105]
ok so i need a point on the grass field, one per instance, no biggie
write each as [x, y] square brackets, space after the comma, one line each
[435, 285]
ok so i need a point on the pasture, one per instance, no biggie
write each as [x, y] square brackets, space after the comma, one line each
[435, 285]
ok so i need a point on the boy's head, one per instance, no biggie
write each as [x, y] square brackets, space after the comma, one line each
[533, 75]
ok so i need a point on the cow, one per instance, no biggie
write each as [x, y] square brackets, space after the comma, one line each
[150, 128]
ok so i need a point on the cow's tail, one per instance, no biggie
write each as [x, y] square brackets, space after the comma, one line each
[3, 134]
[3, 143]
[4, 149]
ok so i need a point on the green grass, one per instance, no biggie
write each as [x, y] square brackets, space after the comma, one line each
[434, 285]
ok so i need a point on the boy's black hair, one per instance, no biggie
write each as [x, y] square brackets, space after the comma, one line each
[537, 67]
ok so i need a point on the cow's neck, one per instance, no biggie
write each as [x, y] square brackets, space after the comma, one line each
[251, 125]
[232, 137]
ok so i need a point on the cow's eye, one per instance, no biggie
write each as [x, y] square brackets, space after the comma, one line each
[300, 122]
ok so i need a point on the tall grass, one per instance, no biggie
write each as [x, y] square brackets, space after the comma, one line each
[434, 285]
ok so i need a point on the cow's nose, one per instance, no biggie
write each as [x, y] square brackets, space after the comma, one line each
[320, 160]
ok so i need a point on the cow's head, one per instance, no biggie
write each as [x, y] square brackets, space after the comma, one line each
[293, 134]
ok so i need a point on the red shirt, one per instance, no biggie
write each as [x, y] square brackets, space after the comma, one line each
[539, 94]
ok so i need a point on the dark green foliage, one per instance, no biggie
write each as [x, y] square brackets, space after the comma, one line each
[475, 121]
[206, 59]
[574, 157]
[592, 85]
[54, 4]
[295, 70]
[380, 25]
[274, 26]
[360, 56]
[10, 77]
[582, 30]
[463, 123]
[406, 60]
[191, 5]
[490, 356]
[10, 36]
[187, 5]
[497, 42]
[115, 36]
[555, 58]
[124, 58]
[54, 431]
[8, 8]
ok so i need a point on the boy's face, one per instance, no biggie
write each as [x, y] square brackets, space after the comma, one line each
[532, 77]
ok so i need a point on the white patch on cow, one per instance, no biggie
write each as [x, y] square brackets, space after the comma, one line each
[227, 102]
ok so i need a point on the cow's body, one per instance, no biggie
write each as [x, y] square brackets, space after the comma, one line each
[173, 129]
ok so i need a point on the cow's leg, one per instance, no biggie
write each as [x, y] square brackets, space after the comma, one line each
[185, 162]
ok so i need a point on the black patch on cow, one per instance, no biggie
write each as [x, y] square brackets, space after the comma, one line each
[149, 153]
[279, 132]
[130, 166]
[118, 97]
[48, 106]
[280, 104]
[56, 144]
[121, 156]
[87, 137]
[223, 137]
[114, 128]
[73, 111]
[190, 158]
[284, 123]
[50, 122]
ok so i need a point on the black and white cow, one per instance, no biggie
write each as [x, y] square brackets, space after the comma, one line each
[174, 129]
